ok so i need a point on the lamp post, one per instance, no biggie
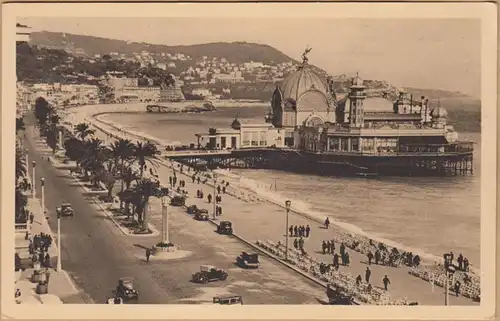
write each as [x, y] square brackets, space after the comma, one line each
[287, 205]
[27, 161]
[33, 179]
[449, 270]
[59, 264]
[215, 183]
[42, 184]
[164, 214]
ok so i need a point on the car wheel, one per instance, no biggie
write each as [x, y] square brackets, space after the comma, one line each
[204, 280]
[223, 277]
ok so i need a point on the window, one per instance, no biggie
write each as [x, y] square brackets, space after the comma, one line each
[354, 144]
[334, 143]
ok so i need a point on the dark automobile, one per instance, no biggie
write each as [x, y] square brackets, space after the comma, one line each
[225, 227]
[201, 215]
[338, 297]
[65, 210]
[192, 209]
[178, 201]
[209, 273]
[125, 289]
[228, 299]
[246, 260]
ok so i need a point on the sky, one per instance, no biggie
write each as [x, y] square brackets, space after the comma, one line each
[424, 53]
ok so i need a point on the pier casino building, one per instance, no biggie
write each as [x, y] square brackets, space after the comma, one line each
[366, 129]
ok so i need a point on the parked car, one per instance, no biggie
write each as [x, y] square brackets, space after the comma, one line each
[338, 297]
[209, 273]
[126, 290]
[246, 260]
[225, 227]
[65, 210]
[228, 299]
[178, 201]
[192, 209]
[201, 215]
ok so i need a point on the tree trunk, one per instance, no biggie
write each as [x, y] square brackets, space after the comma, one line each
[122, 184]
[144, 223]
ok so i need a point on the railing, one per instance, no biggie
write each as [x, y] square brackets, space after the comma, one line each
[21, 227]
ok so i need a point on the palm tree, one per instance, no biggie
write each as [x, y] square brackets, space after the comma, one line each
[145, 189]
[145, 153]
[122, 151]
[83, 130]
[20, 164]
[95, 155]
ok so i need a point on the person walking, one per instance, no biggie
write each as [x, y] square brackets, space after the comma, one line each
[347, 259]
[323, 247]
[460, 261]
[370, 257]
[329, 247]
[327, 223]
[198, 179]
[290, 229]
[218, 189]
[296, 244]
[342, 249]
[296, 231]
[308, 230]
[359, 280]
[32, 217]
[368, 274]
[209, 198]
[386, 282]
[456, 287]
[148, 254]
[301, 243]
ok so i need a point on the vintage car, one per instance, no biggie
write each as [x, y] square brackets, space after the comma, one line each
[201, 215]
[65, 210]
[209, 273]
[192, 209]
[178, 201]
[125, 289]
[246, 260]
[115, 300]
[228, 299]
[225, 227]
[338, 297]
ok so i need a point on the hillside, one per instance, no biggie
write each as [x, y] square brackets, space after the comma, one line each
[237, 52]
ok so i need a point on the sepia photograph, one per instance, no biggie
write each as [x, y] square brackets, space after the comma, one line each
[203, 155]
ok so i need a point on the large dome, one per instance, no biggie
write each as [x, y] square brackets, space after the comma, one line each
[301, 81]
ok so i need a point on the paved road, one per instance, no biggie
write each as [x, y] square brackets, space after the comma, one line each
[96, 254]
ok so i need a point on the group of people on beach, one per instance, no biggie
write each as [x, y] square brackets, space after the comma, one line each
[368, 273]
[343, 258]
[299, 231]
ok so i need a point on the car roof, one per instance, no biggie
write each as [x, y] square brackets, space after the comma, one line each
[207, 266]
[66, 204]
[227, 296]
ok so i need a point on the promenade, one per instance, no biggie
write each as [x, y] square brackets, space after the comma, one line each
[261, 220]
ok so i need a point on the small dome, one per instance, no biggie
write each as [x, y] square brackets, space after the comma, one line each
[236, 124]
[439, 112]
[301, 81]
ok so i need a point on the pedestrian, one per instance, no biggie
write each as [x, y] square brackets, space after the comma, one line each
[218, 189]
[209, 198]
[347, 259]
[368, 273]
[220, 210]
[47, 260]
[224, 189]
[327, 223]
[296, 231]
[301, 243]
[336, 261]
[308, 230]
[457, 288]
[451, 258]
[369, 288]
[342, 257]
[296, 244]
[332, 243]
[170, 181]
[32, 217]
[342, 249]
[148, 254]
[329, 247]
[460, 261]
[323, 247]
[290, 229]
[193, 177]
[198, 179]
[359, 280]
[370, 257]
[386, 282]
[377, 256]
[466, 264]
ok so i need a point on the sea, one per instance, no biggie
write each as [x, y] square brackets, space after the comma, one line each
[432, 215]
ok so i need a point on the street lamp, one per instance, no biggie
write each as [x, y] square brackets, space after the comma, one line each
[164, 214]
[449, 270]
[27, 161]
[215, 183]
[33, 179]
[42, 184]
[59, 259]
[287, 206]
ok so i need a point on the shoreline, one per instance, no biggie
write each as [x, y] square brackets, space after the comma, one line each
[304, 209]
